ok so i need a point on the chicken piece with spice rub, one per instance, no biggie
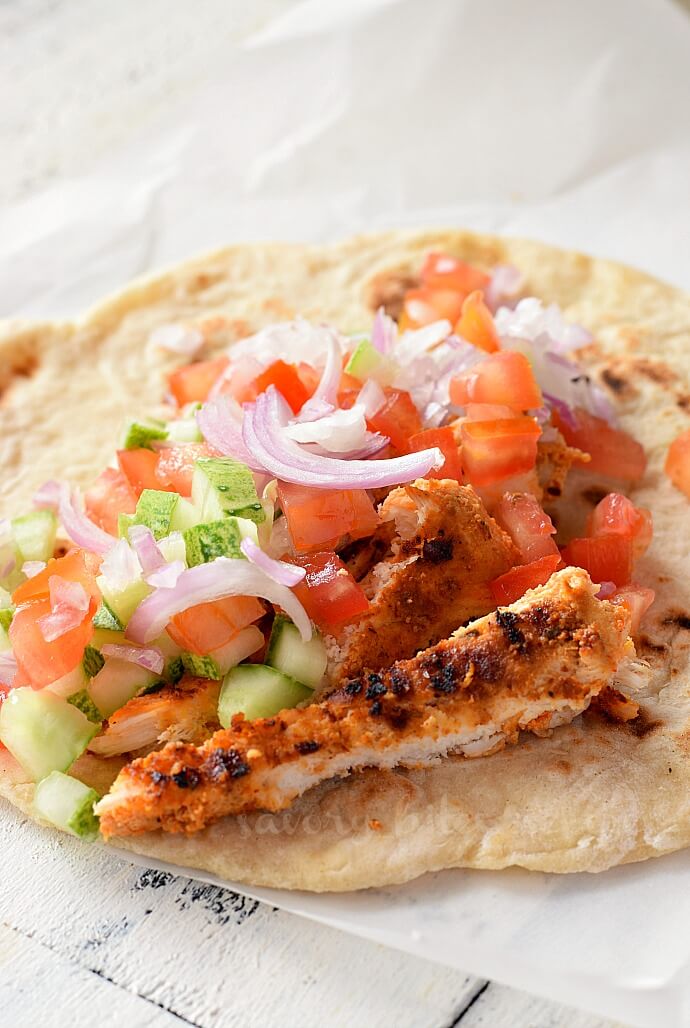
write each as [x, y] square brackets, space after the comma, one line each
[534, 665]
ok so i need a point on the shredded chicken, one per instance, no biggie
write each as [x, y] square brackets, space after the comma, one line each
[447, 551]
[185, 712]
[533, 665]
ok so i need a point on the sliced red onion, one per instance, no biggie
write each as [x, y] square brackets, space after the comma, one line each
[606, 589]
[120, 566]
[339, 432]
[372, 397]
[373, 443]
[8, 668]
[69, 603]
[205, 583]
[220, 422]
[301, 339]
[278, 570]
[79, 528]
[146, 548]
[384, 333]
[327, 389]
[150, 658]
[312, 410]
[263, 430]
[563, 410]
[47, 497]
[166, 575]
[544, 325]
[506, 283]
[177, 339]
[416, 342]
[31, 568]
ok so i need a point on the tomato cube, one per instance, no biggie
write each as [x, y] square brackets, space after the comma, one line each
[207, 626]
[617, 515]
[607, 558]
[530, 528]
[503, 378]
[612, 451]
[492, 450]
[40, 662]
[110, 495]
[677, 465]
[444, 438]
[193, 382]
[286, 379]
[509, 587]
[175, 466]
[319, 518]
[329, 593]
[476, 324]
[440, 271]
[398, 418]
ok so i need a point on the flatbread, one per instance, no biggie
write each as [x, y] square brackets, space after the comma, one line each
[593, 795]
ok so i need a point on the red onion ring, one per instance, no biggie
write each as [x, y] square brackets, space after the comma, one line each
[278, 570]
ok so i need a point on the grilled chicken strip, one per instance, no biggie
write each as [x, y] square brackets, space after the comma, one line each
[447, 551]
[533, 665]
[185, 712]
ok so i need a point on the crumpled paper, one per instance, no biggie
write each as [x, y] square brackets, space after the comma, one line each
[566, 123]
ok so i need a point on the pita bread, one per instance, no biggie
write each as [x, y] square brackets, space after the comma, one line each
[594, 794]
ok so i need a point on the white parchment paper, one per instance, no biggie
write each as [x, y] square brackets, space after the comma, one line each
[565, 122]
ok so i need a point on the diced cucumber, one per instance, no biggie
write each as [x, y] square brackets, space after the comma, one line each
[101, 636]
[34, 535]
[140, 434]
[124, 523]
[117, 682]
[200, 666]
[71, 683]
[173, 670]
[124, 602]
[92, 661]
[5, 599]
[42, 731]
[184, 430]
[83, 702]
[166, 645]
[184, 516]
[68, 804]
[241, 646]
[366, 362]
[216, 539]
[305, 661]
[5, 643]
[155, 509]
[105, 618]
[221, 486]
[258, 691]
[173, 547]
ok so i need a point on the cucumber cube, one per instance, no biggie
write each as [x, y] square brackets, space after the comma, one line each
[258, 691]
[42, 731]
[68, 804]
[217, 539]
[173, 547]
[140, 434]
[241, 646]
[173, 670]
[92, 661]
[200, 666]
[105, 618]
[34, 535]
[124, 602]
[184, 516]
[83, 702]
[222, 486]
[305, 661]
[366, 362]
[184, 430]
[116, 683]
[155, 510]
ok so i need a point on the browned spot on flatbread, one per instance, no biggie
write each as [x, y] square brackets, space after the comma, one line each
[22, 365]
[642, 725]
[649, 647]
[614, 377]
[679, 619]
[683, 401]
[388, 289]
[564, 766]
[655, 371]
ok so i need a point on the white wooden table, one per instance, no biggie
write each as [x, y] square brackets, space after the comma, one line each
[85, 939]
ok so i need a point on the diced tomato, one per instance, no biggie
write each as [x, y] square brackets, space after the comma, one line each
[476, 324]
[613, 452]
[76, 566]
[513, 584]
[638, 599]
[607, 558]
[503, 378]
[442, 272]
[207, 626]
[309, 376]
[677, 465]
[286, 379]
[40, 662]
[139, 468]
[398, 418]
[194, 382]
[488, 412]
[444, 438]
[329, 593]
[617, 515]
[492, 450]
[318, 518]
[110, 495]
[530, 528]
[426, 305]
[175, 466]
